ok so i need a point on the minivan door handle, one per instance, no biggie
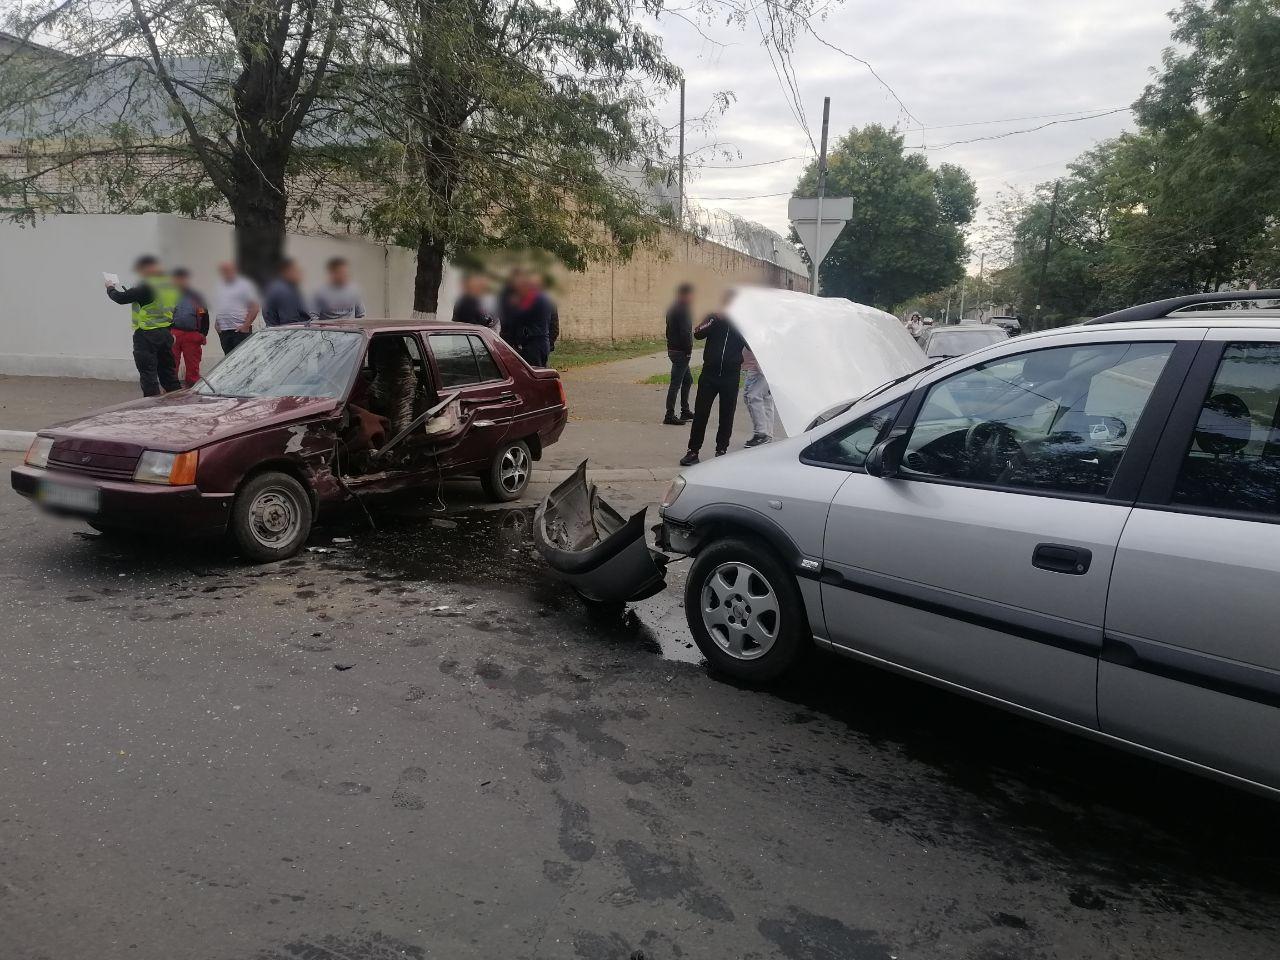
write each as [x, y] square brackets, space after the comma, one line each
[1062, 558]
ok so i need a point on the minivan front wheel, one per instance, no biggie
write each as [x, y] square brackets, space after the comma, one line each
[745, 612]
[271, 517]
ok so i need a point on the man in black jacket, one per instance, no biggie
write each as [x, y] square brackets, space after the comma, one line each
[721, 371]
[530, 322]
[471, 307]
[680, 353]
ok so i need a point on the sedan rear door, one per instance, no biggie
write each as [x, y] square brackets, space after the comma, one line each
[1191, 660]
[983, 559]
[465, 365]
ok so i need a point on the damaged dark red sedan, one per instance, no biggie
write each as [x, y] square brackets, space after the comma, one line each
[299, 419]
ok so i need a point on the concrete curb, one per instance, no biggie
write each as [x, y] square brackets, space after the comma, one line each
[16, 439]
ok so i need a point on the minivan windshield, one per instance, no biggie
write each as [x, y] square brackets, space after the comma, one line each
[287, 363]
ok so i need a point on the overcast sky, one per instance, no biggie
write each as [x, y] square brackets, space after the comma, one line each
[950, 61]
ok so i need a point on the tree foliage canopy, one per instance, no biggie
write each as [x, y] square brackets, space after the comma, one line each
[906, 236]
[1191, 201]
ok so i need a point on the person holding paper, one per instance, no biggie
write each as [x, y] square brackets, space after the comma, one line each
[152, 300]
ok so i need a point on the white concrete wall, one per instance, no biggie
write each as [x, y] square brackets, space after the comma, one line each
[56, 320]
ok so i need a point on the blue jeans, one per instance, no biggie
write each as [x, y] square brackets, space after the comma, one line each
[681, 381]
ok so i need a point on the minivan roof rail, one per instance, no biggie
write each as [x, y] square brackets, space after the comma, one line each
[1159, 309]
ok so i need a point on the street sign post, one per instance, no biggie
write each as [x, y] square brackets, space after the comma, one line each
[816, 234]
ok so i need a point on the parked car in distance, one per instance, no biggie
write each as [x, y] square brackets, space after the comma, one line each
[955, 340]
[1081, 525]
[299, 419]
[1011, 325]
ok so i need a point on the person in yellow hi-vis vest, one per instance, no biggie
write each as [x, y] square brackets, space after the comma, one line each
[153, 299]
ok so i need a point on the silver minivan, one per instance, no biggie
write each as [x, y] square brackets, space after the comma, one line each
[1080, 525]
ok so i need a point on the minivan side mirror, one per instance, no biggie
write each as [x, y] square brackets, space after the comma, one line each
[886, 456]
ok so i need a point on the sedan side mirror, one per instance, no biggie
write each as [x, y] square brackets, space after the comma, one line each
[886, 456]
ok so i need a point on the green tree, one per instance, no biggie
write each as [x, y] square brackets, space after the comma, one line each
[508, 123]
[169, 104]
[906, 235]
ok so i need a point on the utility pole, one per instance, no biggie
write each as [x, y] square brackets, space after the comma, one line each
[962, 282]
[680, 195]
[946, 317]
[982, 260]
[822, 187]
[1044, 260]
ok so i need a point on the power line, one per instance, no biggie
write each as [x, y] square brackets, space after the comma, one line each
[754, 196]
[1041, 116]
[762, 163]
[1014, 133]
[872, 70]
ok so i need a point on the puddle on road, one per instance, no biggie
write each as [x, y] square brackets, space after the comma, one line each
[494, 548]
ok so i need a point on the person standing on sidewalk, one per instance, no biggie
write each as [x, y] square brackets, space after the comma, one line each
[528, 321]
[282, 302]
[472, 306]
[190, 328]
[680, 353]
[235, 306]
[759, 400]
[339, 299]
[721, 370]
[152, 300]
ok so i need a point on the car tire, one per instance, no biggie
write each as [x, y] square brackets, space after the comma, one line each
[508, 473]
[745, 611]
[271, 517]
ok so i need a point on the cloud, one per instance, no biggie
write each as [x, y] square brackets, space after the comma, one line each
[950, 61]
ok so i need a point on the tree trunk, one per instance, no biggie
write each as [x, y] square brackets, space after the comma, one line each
[429, 274]
[259, 209]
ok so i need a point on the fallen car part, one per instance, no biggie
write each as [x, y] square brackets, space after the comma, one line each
[588, 544]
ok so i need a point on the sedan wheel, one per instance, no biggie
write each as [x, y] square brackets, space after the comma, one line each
[508, 472]
[271, 516]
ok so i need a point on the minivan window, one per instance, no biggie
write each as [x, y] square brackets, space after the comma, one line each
[1055, 420]
[849, 446]
[1233, 462]
[287, 363]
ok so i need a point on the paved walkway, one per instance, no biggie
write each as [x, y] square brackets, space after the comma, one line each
[615, 420]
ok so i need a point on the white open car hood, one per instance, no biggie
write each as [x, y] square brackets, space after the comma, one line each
[817, 352]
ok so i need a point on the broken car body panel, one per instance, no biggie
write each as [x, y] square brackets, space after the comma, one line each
[817, 352]
[604, 556]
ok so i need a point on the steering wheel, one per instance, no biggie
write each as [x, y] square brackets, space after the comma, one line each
[992, 449]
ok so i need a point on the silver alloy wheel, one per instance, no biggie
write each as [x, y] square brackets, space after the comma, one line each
[274, 517]
[514, 469]
[740, 611]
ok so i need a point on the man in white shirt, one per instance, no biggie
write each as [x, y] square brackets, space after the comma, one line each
[235, 305]
[339, 299]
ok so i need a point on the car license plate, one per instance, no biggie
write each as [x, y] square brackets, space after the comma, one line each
[62, 496]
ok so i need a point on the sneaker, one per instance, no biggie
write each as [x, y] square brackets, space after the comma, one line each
[686, 416]
[689, 459]
[758, 439]
[721, 453]
[671, 421]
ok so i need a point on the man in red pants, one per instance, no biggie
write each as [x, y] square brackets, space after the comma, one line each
[190, 328]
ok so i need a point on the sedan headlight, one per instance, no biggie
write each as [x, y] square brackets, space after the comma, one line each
[673, 491]
[156, 466]
[38, 452]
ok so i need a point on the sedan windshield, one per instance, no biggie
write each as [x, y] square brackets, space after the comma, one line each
[287, 363]
[956, 343]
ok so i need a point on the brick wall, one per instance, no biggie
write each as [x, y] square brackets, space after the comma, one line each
[621, 301]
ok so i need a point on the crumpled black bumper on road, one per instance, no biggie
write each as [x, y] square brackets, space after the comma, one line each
[604, 556]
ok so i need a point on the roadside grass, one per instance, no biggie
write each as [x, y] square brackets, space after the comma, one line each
[583, 353]
[666, 377]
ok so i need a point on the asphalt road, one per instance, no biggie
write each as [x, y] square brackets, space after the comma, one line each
[415, 745]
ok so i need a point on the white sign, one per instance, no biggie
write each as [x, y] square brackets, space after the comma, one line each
[803, 214]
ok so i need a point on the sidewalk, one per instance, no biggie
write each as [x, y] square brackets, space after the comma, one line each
[615, 421]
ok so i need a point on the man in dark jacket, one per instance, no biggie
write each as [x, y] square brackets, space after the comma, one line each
[190, 328]
[680, 353]
[471, 307]
[529, 321]
[721, 370]
[282, 300]
[152, 301]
